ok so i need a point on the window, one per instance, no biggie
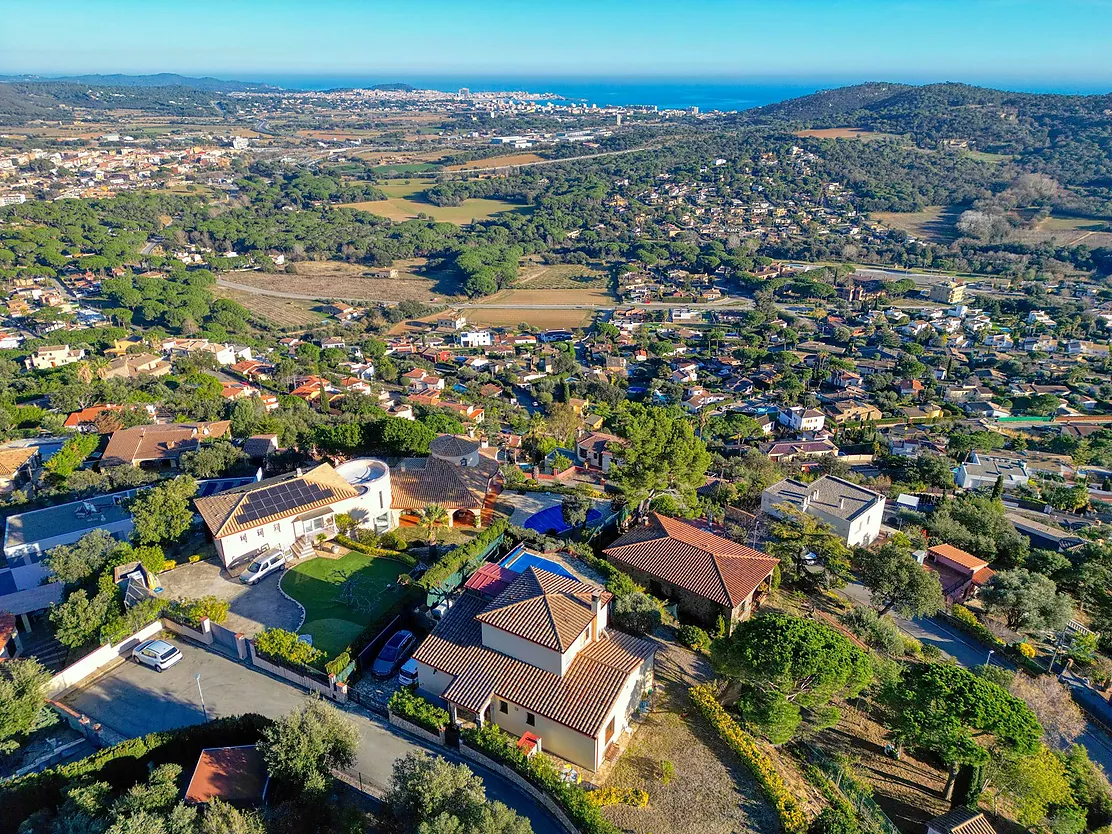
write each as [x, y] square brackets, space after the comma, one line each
[503, 707]
[530, 719]
[609, 731]
[261, 532]
[243, 537]
[277, 528]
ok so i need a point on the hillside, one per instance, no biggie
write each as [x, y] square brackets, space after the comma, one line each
[162, 79]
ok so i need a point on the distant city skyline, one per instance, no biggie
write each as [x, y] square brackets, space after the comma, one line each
[1022, 44]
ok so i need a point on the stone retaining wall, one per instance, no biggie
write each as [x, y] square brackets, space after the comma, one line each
[523, 784]
[415, 729]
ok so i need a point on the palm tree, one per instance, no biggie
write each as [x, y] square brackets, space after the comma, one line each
[432, 517]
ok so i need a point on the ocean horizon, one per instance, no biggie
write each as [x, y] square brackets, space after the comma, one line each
[665, 93]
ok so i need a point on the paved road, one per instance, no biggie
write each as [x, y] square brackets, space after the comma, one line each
[970, 652]
[134, 700]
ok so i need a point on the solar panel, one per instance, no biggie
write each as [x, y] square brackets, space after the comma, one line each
[282, 498]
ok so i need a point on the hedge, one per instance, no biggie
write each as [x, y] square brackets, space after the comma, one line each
[396, 555]
[125, 764]
[542, 772]
[459, 557]
[967, 621]
[413, 708]
[286, 648]
[190, 612]
[772, 783]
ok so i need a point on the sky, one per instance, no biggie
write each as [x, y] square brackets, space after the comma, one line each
[1040, 43]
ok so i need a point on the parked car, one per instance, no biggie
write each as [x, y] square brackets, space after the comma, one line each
[407, 675]
[437, 612]
[396, 650]
[263, 565]
[158, 654]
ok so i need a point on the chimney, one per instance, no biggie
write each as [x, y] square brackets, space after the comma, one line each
[596, 602]
[842, 503]
[806, 501]
[298, 471]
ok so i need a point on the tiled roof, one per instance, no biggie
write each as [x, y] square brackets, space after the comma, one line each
[958, 556]
[247, 507]
[544, 608]
[828, 494]
[159, 442]
[581, 698]
[11, 460]
[961, 821]
[453, 446]
[418, 482]
[681, 554]
[490, 580]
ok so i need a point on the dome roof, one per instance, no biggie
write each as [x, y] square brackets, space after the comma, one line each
[453, 446]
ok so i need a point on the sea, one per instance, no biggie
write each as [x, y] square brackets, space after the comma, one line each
[707, 94]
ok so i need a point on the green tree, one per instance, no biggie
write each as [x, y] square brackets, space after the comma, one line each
[78, 621]
[1027, 601]
[899, 582]
[433, 516]
[638, 611]
[73, 453]
[796, 535]
[661, 453]
[22, 696]
[977, 524]
[398, 436]
[1031, 783]
[953, 712]
[212, 460]
[301, 748]
[790, 666]
[430, 795]
[574, 509]
[222, 818]
[73, 563]
[163, 513]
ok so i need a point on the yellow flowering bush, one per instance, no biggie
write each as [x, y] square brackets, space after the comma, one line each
[1027, 650]
[791, 814]
[619, 796]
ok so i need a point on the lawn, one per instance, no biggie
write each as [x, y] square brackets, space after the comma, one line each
[404, 202]
[933, 223]
[317, 585]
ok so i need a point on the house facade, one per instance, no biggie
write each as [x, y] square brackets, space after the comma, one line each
[854, 512]
[533, 653]
[981, 471]
[961, 574]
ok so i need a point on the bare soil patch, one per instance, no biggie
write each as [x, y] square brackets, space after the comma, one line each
[336, 279]
[496, 161]
[933, 223]
[284, 312]
[543, 319]
[560, 277]
[584, 296]
[711, 792]
[845, 133]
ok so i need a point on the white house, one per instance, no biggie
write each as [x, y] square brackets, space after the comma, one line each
[531, 652]
[54, 356]
[291, 511]
[853, 511]
[476, 339]
[981, 472]
[798, 418]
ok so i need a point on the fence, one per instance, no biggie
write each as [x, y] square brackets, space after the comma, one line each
[873, 819]
[328, 687]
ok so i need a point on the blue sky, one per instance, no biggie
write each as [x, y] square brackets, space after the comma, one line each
[1030, 41]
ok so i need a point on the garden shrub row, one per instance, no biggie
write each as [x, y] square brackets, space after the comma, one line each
[792, 817]
[634, 797]
[190, 612]
[458, 558]
[406, 704]
[965, 620]
[542, 772]
[125, 764]
[284, 647]
[396, 555]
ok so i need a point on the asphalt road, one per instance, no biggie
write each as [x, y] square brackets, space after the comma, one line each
[970, 652]
[135, 700]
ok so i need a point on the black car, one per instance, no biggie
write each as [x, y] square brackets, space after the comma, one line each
[393, 654]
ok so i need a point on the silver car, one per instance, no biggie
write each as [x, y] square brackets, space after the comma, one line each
[263, 565]
[158, 654]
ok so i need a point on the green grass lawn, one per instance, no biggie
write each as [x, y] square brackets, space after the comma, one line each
[317, 585]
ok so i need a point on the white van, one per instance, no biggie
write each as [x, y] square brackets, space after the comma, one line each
[263, 565]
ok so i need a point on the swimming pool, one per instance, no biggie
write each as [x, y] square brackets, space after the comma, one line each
[520, 560]
[550, 521]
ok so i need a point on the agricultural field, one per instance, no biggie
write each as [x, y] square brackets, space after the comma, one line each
[496, 161]
[588, 297]
[844, 133]
[545, 319]
[404, 203]
[1065, 231]
[336, 279]
[283, 312]
[537, 276]
[934, 223]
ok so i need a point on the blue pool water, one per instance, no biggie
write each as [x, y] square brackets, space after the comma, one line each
[520, 560]
[550, 521]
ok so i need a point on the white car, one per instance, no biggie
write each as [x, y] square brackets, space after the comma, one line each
[407, 675]
[263, 565]
[158, 654]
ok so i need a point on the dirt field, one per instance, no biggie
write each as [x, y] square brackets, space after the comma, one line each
[1068, 231]
[495, 161]
[934, 223]
[545, 319]
[403, 203]
[845, 133]
[284, 312]
[335, 279]
[534, 276]
[526, 297]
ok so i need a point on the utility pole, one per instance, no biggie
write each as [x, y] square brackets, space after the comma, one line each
[202, 694]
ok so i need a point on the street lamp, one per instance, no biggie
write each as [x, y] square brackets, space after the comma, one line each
[202, 694]
[988, 660]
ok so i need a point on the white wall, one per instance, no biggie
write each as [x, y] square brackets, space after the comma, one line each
[629, 699]
[524, 650]
[98, 659]
[556, 738]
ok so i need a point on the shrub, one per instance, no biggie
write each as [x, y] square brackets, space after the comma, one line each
[412, 707]
[169, 564]
[772, 783]
[638, 612]
[541, 771]
[667, 771]
[834, 820]
[284, 647]
[392, 541]
[1026, 649]
[460, 557]
[337, 664]
[694, 638]
[371, 550]
[634, 797]
[196, 557]
[190, 612]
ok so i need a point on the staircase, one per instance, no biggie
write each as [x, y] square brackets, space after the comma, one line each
[303, 548]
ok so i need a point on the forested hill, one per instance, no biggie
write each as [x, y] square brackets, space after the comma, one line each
[161, 79]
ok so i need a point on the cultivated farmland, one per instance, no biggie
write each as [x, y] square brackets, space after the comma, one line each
[404, 203]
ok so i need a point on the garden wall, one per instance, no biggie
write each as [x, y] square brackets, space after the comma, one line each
[102, 657]
[338, 692]
[413, 729]
[518, 781]
[203, 635]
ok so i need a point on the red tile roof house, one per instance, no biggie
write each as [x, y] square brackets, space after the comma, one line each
[707, 575]
[535, 655]
[961, 574]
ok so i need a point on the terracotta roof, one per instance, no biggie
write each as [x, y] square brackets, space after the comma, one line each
[159, 442]
[236, 775]
[679, 553]
[453, 446]
[87, 415]
[490, 580]
[961, 821]
[580, 699]
[418, 482]
[544, 608]
[254, 505]
[958, 556]
[12, 460]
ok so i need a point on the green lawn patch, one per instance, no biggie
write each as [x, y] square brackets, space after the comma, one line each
[334, 617]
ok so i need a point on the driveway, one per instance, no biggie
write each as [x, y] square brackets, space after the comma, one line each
[253, 607]
[135, 700]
